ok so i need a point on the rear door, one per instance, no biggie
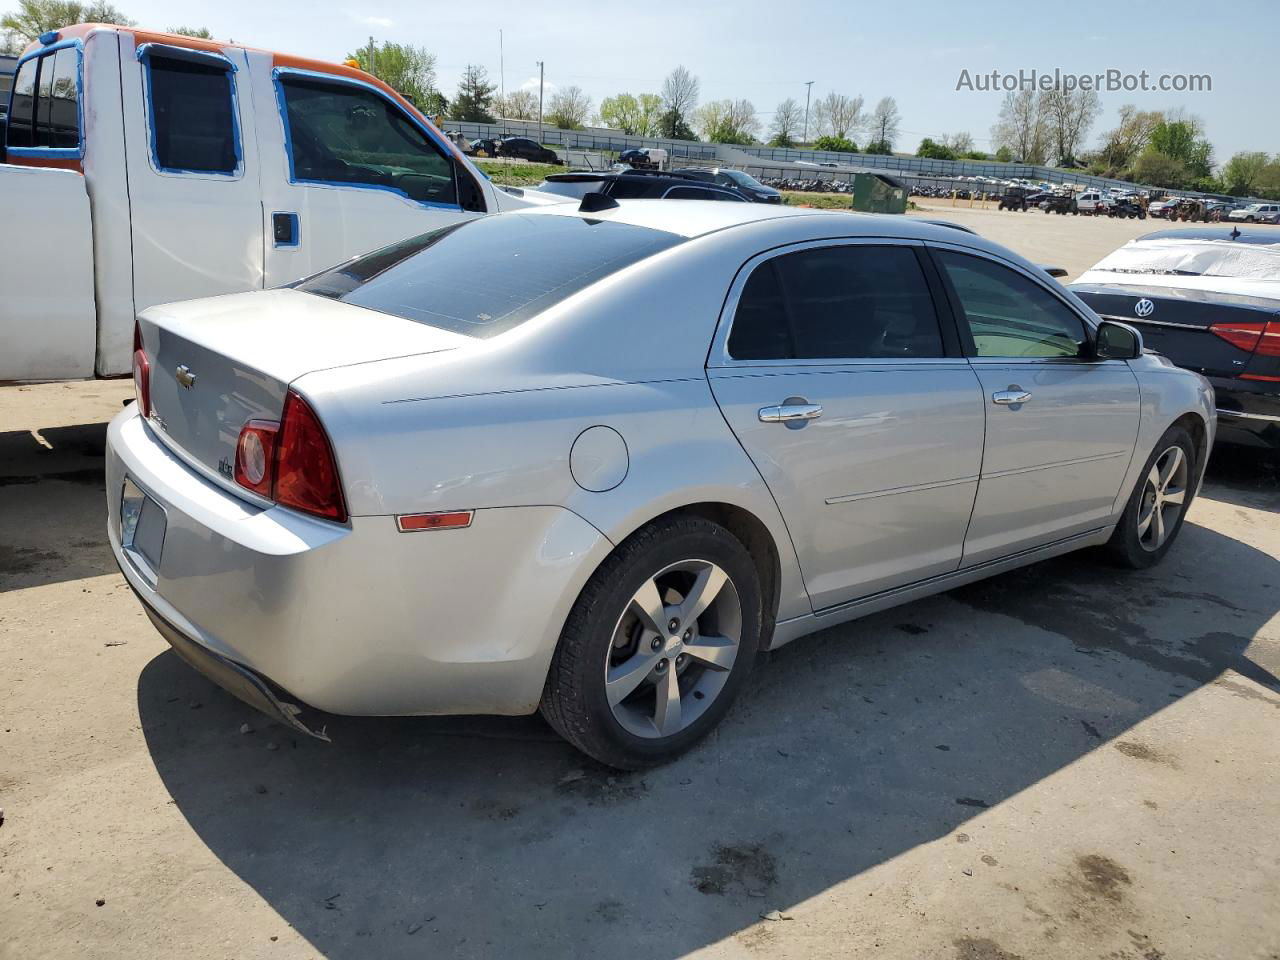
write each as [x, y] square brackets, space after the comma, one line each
[196, 210]
[347, 170]
[1061, 427]
[832, 368]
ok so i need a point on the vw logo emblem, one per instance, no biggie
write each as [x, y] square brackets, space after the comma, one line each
[1144, 308]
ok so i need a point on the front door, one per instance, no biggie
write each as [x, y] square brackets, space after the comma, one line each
[832, 369]
[1061, 426]
[346, 170]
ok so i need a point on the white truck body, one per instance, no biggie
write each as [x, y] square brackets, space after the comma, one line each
[104, 216]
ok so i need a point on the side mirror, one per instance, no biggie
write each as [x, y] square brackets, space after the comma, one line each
[1117, 341]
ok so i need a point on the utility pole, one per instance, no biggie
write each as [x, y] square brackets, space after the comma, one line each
[808, 89]
[502, 83]
[372, 72]
[541, 73]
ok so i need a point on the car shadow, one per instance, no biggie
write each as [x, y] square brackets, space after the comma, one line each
[56, 469]
[491, 838]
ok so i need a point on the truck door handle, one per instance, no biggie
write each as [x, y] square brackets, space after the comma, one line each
[285, 229]
[789, 412]
[1014, 395]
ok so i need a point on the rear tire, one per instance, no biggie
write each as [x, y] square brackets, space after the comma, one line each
[621, 687]
[1159, 503]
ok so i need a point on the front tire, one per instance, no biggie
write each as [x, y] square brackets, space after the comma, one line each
[658, 644]
[1158, 505]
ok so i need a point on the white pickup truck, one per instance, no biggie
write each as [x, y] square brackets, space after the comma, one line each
[141, 168]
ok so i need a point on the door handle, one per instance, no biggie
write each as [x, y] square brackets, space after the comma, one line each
[789, 412]
[286, 229]
[1014, 395]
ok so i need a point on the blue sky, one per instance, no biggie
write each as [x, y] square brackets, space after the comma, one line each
[765, 51]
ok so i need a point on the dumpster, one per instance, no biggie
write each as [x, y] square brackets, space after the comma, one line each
[877, 193]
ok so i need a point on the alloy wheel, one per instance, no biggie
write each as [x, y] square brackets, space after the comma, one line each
[1164, 496]
[673, 648]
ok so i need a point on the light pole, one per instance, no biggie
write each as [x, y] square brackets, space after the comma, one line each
[541, 72]
[502, 83]
[808, 90]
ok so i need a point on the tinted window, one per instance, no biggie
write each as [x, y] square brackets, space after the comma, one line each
[192, 120]
[24, 86]
[691, 193]
[486, 276]
[629, 188]
[841, 302]
[340, 133]
[64, 116]
[1011, 315]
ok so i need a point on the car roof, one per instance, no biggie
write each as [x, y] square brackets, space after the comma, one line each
[695, 218]
[1235, 234]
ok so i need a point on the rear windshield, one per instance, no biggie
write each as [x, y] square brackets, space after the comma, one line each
[486, 276]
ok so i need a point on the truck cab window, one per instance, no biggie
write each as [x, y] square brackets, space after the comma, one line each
[340, 133]
[193, 123]
[46, 94]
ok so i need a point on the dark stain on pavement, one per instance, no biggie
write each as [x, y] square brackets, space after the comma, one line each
[746, 869]
[981, 948]
[1142, 751]
[1102, 877]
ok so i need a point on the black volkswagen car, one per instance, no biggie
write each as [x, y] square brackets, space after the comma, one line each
[1208, 298]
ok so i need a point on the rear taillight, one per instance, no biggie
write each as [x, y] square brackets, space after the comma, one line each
[1242, 335]
[255, 456]
[291, 462]
[142, 381]
[1269, 342]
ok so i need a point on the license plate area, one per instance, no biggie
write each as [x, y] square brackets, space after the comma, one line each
[142, 528]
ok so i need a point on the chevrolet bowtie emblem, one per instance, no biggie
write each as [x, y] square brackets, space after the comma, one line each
[184, 376]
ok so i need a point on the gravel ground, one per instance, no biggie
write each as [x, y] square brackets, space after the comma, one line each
[1066, 761]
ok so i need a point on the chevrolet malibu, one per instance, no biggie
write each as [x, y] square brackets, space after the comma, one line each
[592, 460]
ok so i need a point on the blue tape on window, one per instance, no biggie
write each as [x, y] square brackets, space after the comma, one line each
[53, 153]
[280, 73]
[145, 53]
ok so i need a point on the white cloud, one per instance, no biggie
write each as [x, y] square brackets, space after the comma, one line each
[371, 21]
[532, 84]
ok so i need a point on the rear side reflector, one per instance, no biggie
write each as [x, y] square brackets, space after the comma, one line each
[414, 522]
[1259, 376]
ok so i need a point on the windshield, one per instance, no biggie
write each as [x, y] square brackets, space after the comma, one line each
[486, 276]
[1195, 258]
[742, 179]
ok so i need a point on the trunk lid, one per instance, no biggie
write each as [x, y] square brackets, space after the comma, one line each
[219, 362]
[1175, 321]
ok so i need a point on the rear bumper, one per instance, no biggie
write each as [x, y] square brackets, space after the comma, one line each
[359, 619]
[1248, 412]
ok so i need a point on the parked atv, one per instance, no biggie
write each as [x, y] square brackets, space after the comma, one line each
[1060, 203]
[1127, 207]
[1016, 198]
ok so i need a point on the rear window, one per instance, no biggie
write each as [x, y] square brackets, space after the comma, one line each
[487, 276]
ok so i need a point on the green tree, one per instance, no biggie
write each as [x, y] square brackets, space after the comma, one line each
[787, 118]
[1183, 140]
[729, 121]
[569, 108]
[200, 33]
[1241, 173]
[1268, 182]
[835, 143]
[409, 70]
[883, 126]
[474, 101]
[636, 115]
[880, 147]
[934, 151]
[34, 17]
[518, 105]
[1160, 169]
[1004, 155]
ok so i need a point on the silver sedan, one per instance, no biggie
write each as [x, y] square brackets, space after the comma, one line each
[593, 461]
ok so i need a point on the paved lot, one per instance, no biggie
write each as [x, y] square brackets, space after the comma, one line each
[1067, 761]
